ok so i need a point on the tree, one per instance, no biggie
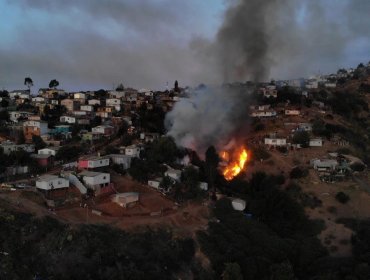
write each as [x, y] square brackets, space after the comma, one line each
[4, 116]
[38, 142]
[342, 197]
[28, 82]
[4, 103]
[301, 137]
[176, 86]
[68, 153]
[212, 160]
[120, 87]
[232, 272]
[166, 183]
[53, 84]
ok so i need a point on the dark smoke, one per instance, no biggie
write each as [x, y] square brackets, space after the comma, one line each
[258, 39]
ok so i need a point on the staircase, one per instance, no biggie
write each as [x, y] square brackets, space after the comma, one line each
[74, 181]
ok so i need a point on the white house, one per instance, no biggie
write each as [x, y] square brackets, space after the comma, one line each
[67, 119]
[95, 180]
[127, 199]
[103, 129]
[292, 112]
[324, 164]
[87, 108]
[174, 174]
[133, 151]
[238, 204]
[93, 162]
[316, 142]
[121, 159]
[93, 102]
[9, 147]
[203, 186]
[79, 95]
[154, 183]
[51, 182]
[264, 114]
[275, 141]
[48, 151]
[15, 115]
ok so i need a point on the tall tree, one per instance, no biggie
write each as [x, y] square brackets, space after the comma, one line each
[212, 160]
[28, 82]
[53, 84]
[176, 87]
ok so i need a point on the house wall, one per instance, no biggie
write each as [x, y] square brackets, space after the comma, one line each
[103, 178]
[154, 184]
[57, 183]
[98, 163]
[275, 141]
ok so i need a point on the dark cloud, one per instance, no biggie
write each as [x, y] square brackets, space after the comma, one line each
[149, 42]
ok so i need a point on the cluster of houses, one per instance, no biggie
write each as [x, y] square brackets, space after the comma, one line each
[311, 83]
[80, 108]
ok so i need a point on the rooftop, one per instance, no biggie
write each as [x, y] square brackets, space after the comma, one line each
[91, 173]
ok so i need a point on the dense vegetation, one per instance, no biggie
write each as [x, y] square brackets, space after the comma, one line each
[47, 249]
[273, 239]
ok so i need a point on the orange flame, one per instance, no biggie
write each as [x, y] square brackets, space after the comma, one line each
[234, 167]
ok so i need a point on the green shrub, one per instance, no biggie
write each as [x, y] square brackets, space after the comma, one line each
[342, 197]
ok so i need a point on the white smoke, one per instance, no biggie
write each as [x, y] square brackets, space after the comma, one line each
[208, 117]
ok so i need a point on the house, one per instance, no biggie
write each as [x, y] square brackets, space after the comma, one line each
[67, 119]
[95, 180]
[123, 160]
[126, 200]
[79, 113]
[93, 162]
[93, 102]
[133, 151]
[79, 95]
[43, 160]
[315, 142]
[87, 108]
[174, 174]
[89, 136]
[260, 107]
[238, 204]
[48, 151]
[203, 186]
[292, 112]
[51, 182]
[61, 129]
[269, 92]
[324, 164]
[22, 93]
[105, 130]
[263, 114]
[155, 183]
[9, 147]
[16, 116]
[113, 102]
[103, 114]
[70, 104]
[305, 127]
[117, 94]
[37, 128]
[149, 137]
[330, 85]
[273, 141]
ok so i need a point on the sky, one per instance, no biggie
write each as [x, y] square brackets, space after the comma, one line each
[88, 45]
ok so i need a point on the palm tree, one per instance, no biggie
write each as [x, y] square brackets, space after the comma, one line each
[53, 84]
[28, 82]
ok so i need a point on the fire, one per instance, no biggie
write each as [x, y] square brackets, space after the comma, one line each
[236, 165]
